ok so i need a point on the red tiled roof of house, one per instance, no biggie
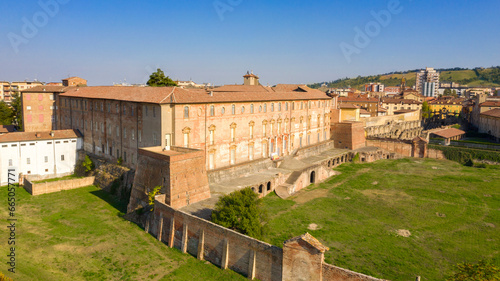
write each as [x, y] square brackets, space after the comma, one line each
[449, 133]
[492, 113]
[164, 95]
[490, 104]
[364, 111]
[357, 98]
[447, 101]
[32, 136]
[400, 101]
[348, 106]
[46, 88]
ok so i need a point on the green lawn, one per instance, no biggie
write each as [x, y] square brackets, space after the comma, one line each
[451, 211]
[80, 235]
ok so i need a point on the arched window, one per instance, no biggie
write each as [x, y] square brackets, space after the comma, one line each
[279, 106]
[242, 109]
[233, 109]
[251, 108]
[272, 107]
[212, 110]
[186, 112]
[286, 106]
[265, 107]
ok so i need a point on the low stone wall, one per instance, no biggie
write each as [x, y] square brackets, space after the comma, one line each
[55, 186]
[475, 145]
[232, 250]
[215, 176]
[314, 150]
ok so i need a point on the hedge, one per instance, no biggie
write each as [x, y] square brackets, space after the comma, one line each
[461, 155]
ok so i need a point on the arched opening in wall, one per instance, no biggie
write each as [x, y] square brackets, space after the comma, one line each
[268, 186]
[261, 188]
[313, 177]
[388, 157]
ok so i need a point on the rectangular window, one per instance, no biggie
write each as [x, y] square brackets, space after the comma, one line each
[46, 159]
[186, 140]
[62, 157]
[250, 152]
[211, 137]
[28, 161]
[233, 156]
[10, 162]
[139, 135]
[211, 161]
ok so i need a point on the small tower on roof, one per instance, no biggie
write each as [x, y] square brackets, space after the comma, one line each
[251, 79]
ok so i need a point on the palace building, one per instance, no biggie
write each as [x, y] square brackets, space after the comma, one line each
[232, 124]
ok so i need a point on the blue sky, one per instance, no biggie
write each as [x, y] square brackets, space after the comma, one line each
[210, 41]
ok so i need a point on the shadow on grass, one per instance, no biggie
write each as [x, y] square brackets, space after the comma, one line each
[108, 198]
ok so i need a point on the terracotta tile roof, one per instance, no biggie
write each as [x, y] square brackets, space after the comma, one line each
[45, 88]
[357, 98]
[291, 87]
[364, 111]
[449, 133]
[492, 113]
[348, 106]
[7, 129]
[381, 109]
[457, 101]
[31, 136]
[490, 104]
[400, 101]
[242, 88]
[403, 111]
[164, 95]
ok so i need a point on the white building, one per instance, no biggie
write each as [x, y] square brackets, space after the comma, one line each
[39, 155]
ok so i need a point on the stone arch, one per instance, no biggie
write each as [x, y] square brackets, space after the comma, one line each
[312, 177]
[268, 186]
[261, 188]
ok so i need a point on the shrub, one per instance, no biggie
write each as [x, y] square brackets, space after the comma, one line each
[152, 194]
[88, 164]
[119, 161]
[356, 158]
[482, 271]
[4, 278]
[241, 211]
[461, 154]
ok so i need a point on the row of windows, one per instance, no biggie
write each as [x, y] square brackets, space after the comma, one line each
[28, 160]
[266, 150]
[262, 108]
[100, 106]
[49, 142]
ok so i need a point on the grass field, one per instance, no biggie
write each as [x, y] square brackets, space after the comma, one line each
[80, 235]
[452, 213]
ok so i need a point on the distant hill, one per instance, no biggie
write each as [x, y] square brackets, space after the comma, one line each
[486, 77]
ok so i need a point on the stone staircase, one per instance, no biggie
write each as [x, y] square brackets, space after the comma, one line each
[286, 190]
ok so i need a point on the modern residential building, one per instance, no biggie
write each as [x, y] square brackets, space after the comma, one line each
[374, 87]
[39, 155]
[427, 82]
[8, 89]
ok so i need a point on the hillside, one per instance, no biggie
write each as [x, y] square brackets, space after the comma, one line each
[486, 77]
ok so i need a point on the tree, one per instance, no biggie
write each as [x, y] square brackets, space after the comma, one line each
[6, 114]
[17, 108]
[241, 211]
[158, 79]
[482, 271]
[425, 109]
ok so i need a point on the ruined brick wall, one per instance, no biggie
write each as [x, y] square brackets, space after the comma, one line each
[435, 154]
[248, 256]
[399, 147]
[348, 135]
[218, 245]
